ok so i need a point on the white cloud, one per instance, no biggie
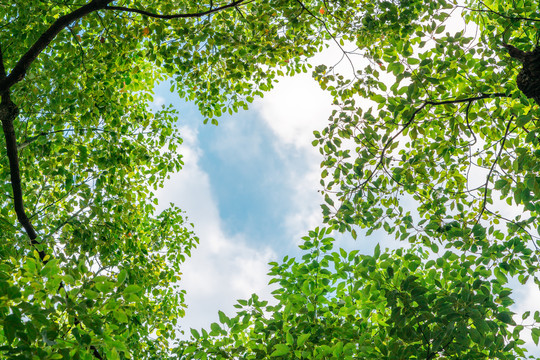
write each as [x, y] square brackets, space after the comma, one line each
[295, 108]
[305, 212]
[222, 268]
[157, 102]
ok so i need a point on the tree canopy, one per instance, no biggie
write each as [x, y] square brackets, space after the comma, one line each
[435, 141]
[89, 270]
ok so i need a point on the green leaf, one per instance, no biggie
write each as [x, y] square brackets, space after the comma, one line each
[215, 327]
[302, 339]
[377, 251]
[223, 318]
[390, 272]
[535, 333]
[120, 315]
[12, 323]
[280, 350]
[501, 183]
[195, 333]
[122, 275]
[132, 289]
[505, 317]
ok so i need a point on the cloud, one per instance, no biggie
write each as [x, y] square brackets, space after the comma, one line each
[223, 268]
[157, 102]
[295, 108]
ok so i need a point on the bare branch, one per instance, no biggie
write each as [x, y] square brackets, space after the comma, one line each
[467, 121]
[175, 16]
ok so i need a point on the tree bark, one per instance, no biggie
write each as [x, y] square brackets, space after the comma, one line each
[528, 79]
[8, 114]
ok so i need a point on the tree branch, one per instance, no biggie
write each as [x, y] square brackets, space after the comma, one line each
[8, 113]
[505, 16]
[411, 120]
[19, 70]
[345, 54]
[175, 16]
[467, 121]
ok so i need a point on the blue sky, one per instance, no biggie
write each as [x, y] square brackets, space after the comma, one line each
[250, 186]
[247, 177]
[250, 171]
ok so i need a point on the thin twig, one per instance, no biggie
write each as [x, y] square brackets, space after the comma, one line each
[503, 140]
[175, 16]
[467, 122]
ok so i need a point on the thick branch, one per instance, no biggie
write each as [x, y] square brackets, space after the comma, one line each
[474, 98]
[516, 53]
[8, 113]
[19, 70]
[175, 16]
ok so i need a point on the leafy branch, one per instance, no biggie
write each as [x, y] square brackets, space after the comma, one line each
[9, 112]
[21, 67]
[411, 120]
[519, 18]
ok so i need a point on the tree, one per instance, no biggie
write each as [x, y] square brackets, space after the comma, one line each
[446, 159]
[87, 269]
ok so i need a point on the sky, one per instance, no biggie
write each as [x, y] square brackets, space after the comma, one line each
[250, 186]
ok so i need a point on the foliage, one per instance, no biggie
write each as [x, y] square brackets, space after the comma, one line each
[433, 142]
[94, 272]
[87, 269]
[344, 305]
